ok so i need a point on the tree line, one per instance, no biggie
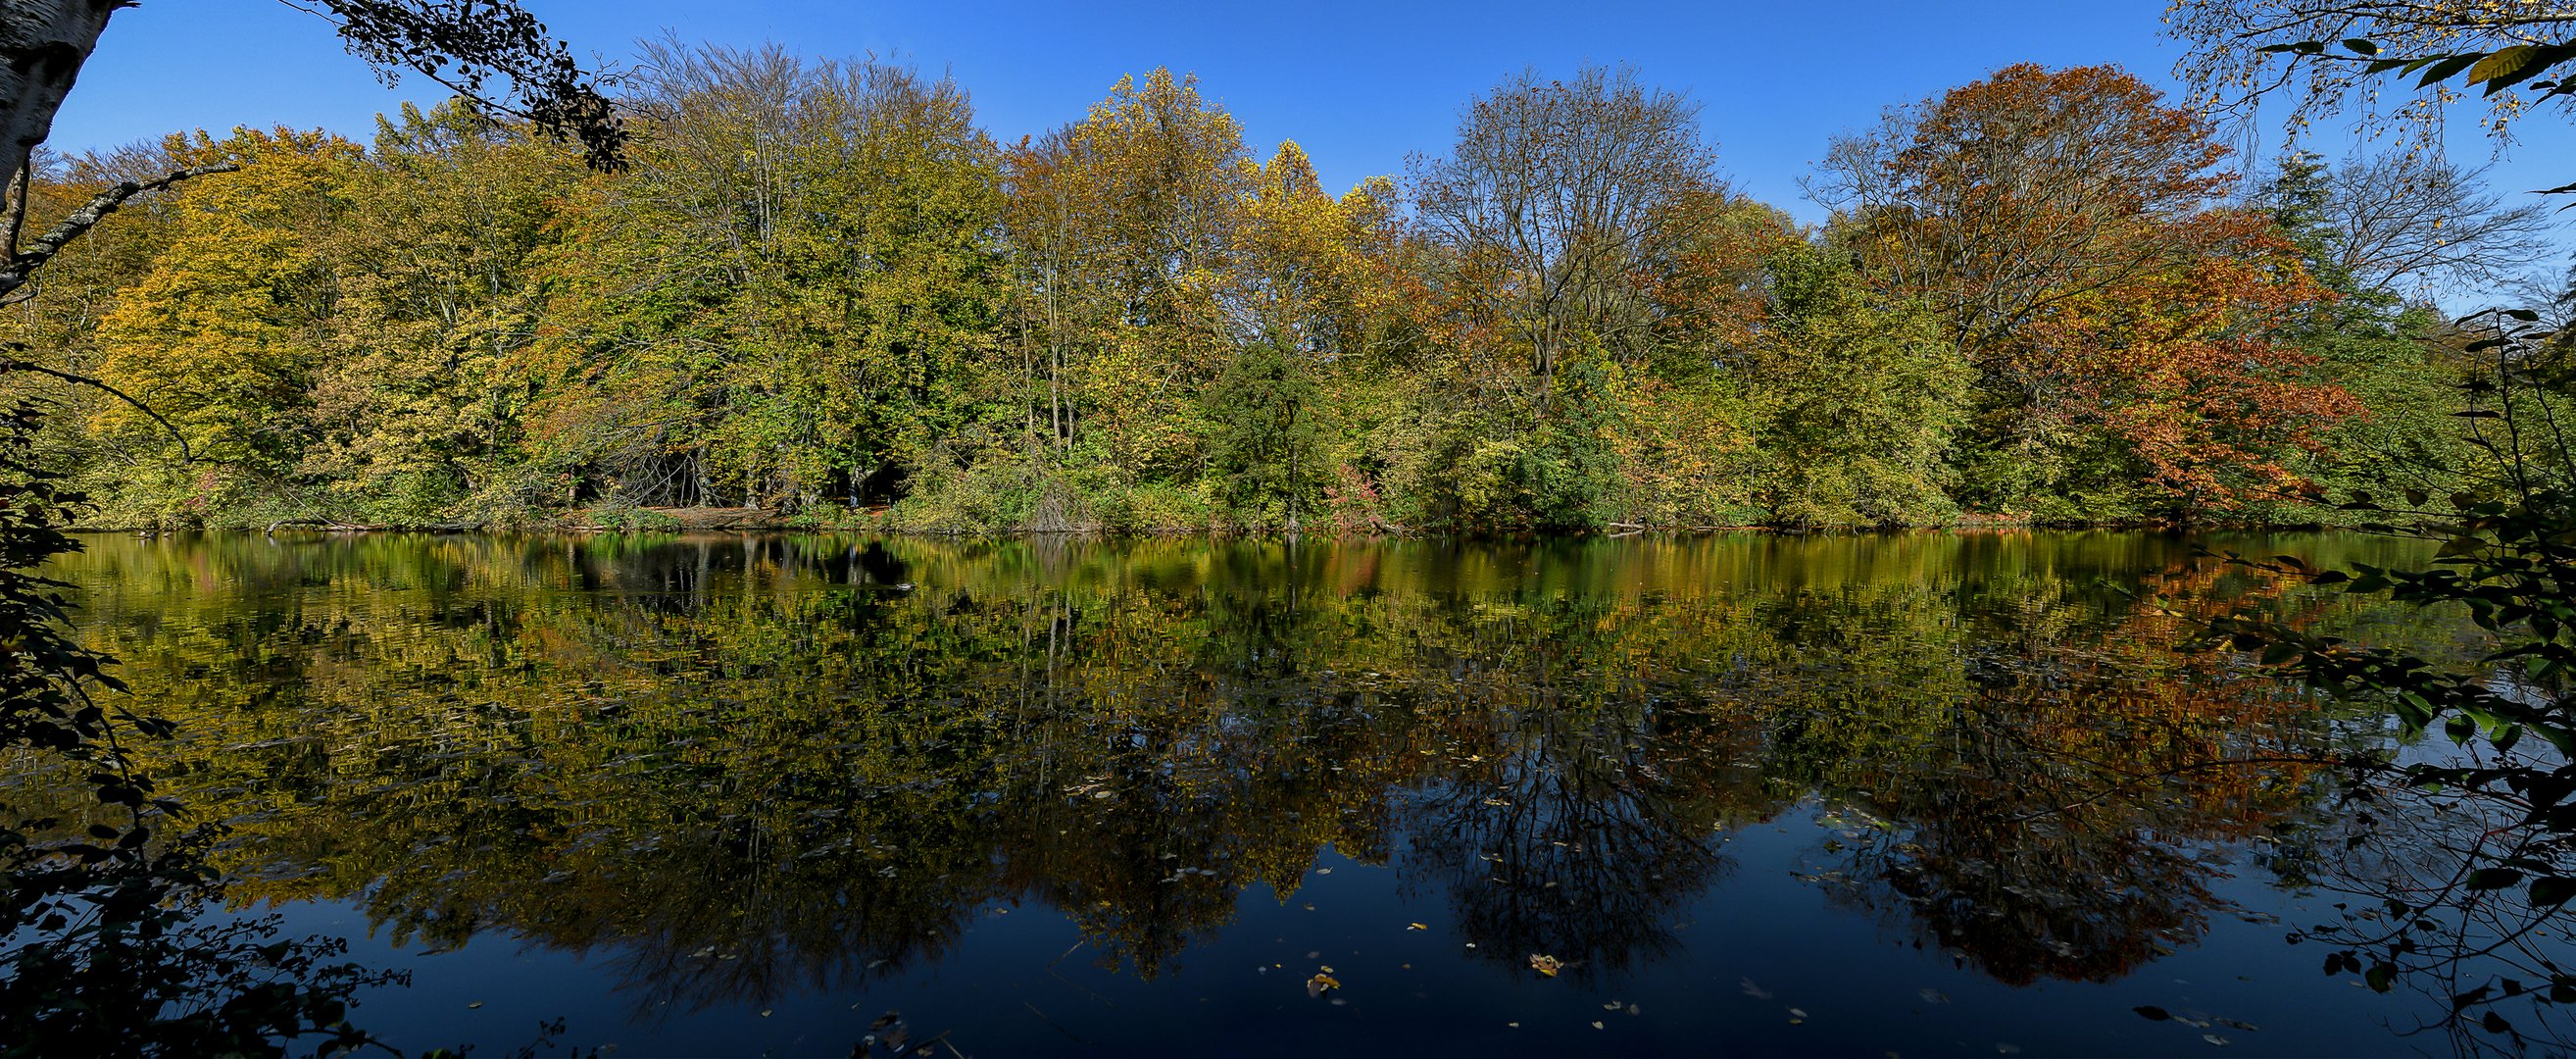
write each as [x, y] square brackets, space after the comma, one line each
[818, 290]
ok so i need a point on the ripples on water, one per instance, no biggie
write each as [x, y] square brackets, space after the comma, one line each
[1923, 794]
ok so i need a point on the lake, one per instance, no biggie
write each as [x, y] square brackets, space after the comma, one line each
[1915, 794]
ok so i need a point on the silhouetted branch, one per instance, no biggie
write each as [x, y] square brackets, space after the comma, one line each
[23, 263]
[84, 380]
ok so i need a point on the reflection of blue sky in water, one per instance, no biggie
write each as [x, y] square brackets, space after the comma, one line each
[986, 800]
[1863, 993]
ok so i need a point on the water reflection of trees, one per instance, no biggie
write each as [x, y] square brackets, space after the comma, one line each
[2072, 807]
[742, 766]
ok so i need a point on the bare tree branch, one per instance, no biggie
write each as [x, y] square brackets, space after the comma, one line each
[18, 207]
[185, 455]
[22, 264]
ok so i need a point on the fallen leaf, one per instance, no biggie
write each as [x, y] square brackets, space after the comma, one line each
[1320, 984]
[1546, 965]
[1416, 926]
[2214, 1039]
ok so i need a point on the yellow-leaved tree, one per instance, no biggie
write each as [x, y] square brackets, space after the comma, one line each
[223, 335]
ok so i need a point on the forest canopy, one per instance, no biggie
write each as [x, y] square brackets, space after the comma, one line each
[818, 292]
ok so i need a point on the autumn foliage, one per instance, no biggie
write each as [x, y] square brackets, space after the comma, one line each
[2069, 228]
[820, 292]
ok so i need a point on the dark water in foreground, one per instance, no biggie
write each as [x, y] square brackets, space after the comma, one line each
[1922, 794]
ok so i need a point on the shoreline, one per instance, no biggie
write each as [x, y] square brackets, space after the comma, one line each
[757, 525]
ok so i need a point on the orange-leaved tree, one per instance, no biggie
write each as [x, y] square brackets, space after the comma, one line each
[2069, 229]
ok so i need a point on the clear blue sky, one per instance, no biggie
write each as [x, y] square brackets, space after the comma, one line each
[1360, 85]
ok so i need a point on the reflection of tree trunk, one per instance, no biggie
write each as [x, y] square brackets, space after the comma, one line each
[1551, 851]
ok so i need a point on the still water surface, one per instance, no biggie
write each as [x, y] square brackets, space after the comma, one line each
[1914, 794]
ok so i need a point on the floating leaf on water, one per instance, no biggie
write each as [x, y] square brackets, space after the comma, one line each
[475, 1004]
[1320, 984]
[1416, 926]
[2214, 1039]
[1797, 1013]
[2152, 1012]
[1545, 965]
[1596, 1024]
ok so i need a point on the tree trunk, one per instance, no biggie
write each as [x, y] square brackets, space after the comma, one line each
[42, 46]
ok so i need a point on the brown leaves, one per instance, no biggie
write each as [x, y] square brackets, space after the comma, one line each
[2066, 225]
[2003, 196]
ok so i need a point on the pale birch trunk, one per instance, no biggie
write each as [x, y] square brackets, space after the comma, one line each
[42, 46]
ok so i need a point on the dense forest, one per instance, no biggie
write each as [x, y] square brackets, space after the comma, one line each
[819, 293]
